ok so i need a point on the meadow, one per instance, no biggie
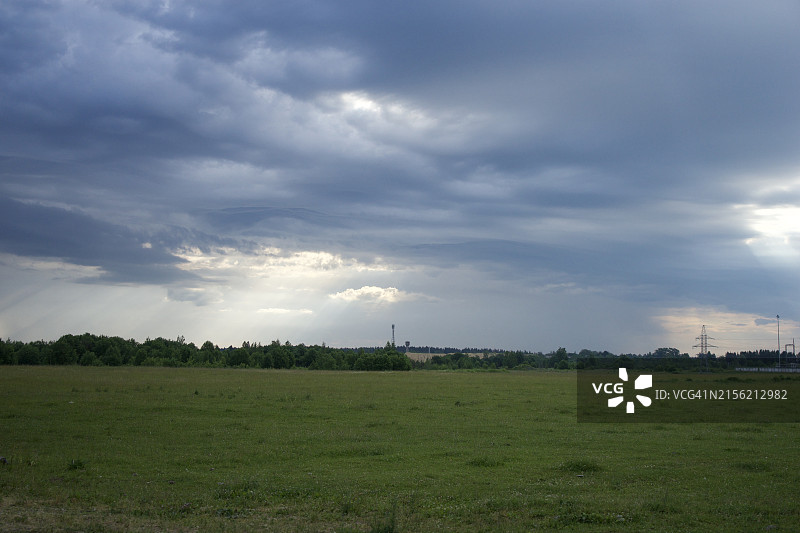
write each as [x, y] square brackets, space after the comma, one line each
[191, 449]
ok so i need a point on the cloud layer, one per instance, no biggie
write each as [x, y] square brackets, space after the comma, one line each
[520, 175]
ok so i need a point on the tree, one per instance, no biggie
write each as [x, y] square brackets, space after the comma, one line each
[28, 354]
[263, 358]
[239, 357]
[112, 356]
[282, 357]
[305, 356]
[208, 354]
[63, 352]
[666, 352]
[5, 353]
[558, 356]
[89, 359]
[186, 352]
[140, 355]
[466, 362]
[387, 358]
[510, 360]
[323, 361]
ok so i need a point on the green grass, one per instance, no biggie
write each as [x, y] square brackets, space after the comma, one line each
[97, 449]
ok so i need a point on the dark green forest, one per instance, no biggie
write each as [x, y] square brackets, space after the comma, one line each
[99, 350]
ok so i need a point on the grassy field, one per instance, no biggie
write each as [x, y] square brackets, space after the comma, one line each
[96, 449]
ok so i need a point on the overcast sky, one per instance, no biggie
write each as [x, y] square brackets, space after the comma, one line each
[520, 175]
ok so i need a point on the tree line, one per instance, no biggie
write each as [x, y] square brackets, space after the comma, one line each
[100, 350]
[510, 360]
[668, 359]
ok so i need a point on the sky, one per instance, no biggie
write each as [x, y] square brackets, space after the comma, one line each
[506, 174]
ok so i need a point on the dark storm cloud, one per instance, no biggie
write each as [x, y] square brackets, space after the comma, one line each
[21, 27]
[607, 81]
[50, 232]
[648, 94]
[652, 266]
[247, 217]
